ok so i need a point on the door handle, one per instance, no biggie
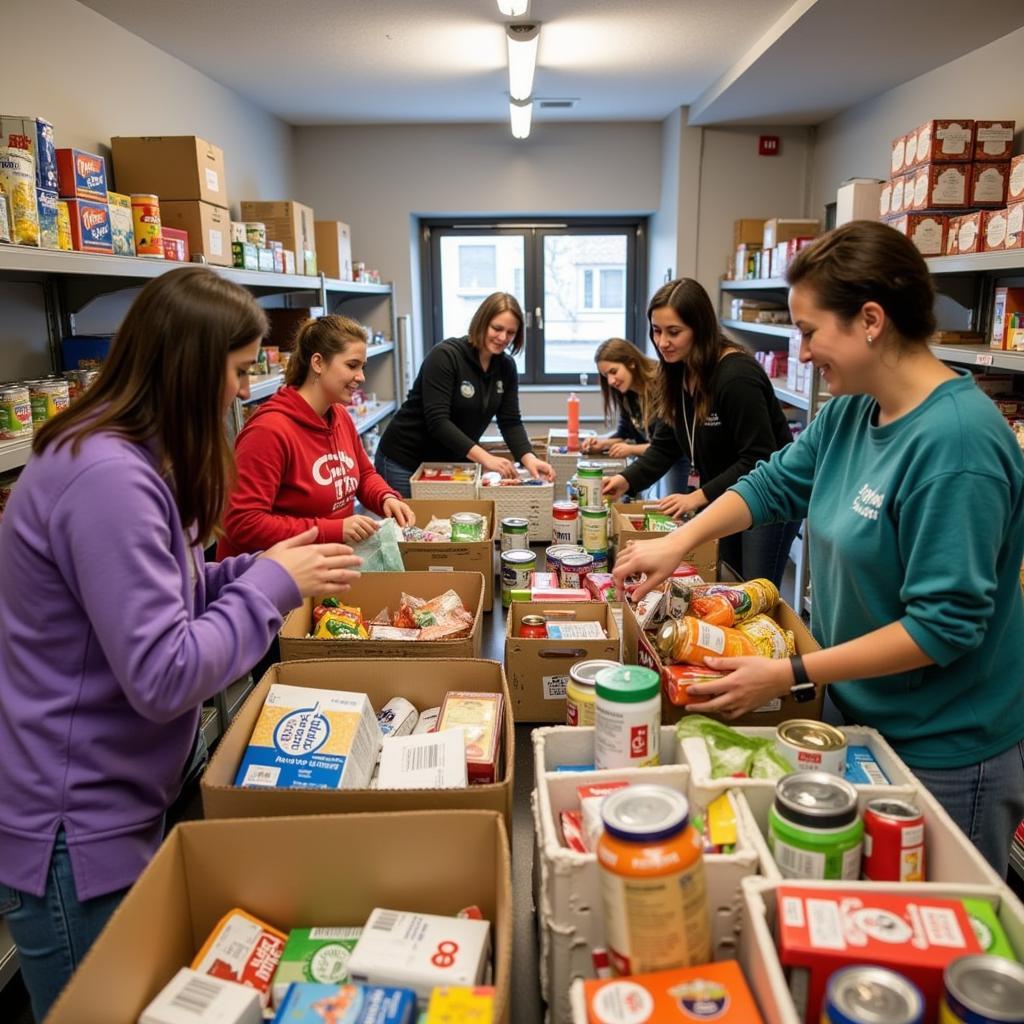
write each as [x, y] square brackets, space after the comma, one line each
[539, 313]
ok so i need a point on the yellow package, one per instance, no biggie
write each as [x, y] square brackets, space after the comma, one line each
[341, 623]
[454, 1005]
[18, 179]
[63, 226]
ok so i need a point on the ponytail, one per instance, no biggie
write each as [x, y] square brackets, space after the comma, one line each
[327, 335]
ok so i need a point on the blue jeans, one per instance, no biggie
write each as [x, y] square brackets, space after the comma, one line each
[397, 476]
[53, 932]
[759, 553]
[986, 800]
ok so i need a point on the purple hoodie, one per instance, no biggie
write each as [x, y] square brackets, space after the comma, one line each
[112, 633]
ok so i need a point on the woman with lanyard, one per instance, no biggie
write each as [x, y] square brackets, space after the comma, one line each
[462, 385]
[913, 489]
[720, 413]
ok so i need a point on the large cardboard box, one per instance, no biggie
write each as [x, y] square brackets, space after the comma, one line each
[172, 167]
[377, 590]
[424, 682]
[638, 649]
[208, 228]
[747, 231]
[289, 223]
[858, 199]
[293, 873]
[458, 556]
[334, 249]
[623, 529]
[780, 229]
[538, 670]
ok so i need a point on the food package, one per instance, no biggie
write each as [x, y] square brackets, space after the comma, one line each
[656, 522]
[726, 752]
[591, 797]
[725, 605]
[441, 618]
[46, 208]
[18, 180]
[194, 998]
[317, 955]
[307, 1003]
[480, 716]
[341, 623]
[451, 1004]
[242, 949]
[380, 551]
[122, 224]
[438, 530]
[678, 678]
[424, 761]
[770, 639]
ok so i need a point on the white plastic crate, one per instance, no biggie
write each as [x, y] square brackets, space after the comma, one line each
[531, 502]
[567, 884]
[445, 490]
[760, 961]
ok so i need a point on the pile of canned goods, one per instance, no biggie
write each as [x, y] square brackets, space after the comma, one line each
[26, 405]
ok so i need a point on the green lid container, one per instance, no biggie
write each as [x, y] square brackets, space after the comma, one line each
[627, 684]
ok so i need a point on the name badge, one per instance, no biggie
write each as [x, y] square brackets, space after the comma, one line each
[693, 481]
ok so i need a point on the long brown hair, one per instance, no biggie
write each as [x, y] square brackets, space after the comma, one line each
[492, 306]
[164, 380]
[688, 300]
[327, 336]
[642, 369]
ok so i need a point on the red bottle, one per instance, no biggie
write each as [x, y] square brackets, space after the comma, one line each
[572, 410]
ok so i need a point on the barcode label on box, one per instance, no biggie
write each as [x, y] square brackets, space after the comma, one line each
[212, 180]
[386, 920]
[555, 687]
[261, 775]
[418, 758]
[794, 863]
[196, 996]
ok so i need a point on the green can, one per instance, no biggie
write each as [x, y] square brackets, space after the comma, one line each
[814, 827]
[589, 478]
[468, 527]
[515, 534]
[594, 530]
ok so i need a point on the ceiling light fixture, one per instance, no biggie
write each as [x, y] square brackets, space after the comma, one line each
[513, 8]
[522, 59]
[520, 114]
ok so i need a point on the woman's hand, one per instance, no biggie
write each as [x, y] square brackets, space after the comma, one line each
[494, 464]
[397, 509]
[594, 445]
[622, 450]
[677, 505]
[357, 528]
[317, 569]
[614, 487]
[538, 468]
[657, 558]
[751, 683]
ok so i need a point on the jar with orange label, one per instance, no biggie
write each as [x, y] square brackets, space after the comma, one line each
[652, 881]
[690, 640]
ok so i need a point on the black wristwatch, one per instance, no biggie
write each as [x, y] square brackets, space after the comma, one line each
[802, 689]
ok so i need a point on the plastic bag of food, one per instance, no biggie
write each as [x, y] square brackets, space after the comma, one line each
[380, 551]
[341, 623]
[18, 178]
[441, 618]
[730, 752]
[770, 639]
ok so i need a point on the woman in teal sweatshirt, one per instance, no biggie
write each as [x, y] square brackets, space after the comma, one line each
[913, 489]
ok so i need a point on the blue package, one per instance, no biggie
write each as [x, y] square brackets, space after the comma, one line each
[46, 205]
[862, 769]
[308, 1003]
[574, 767]
[46, 156]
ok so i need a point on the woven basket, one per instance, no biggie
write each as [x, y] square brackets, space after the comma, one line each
[531, 502]
[444, 490]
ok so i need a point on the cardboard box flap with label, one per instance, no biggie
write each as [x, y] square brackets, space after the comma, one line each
[289, 223]
[173, 167]
[208, 228]
[333, 249]
[287, 872]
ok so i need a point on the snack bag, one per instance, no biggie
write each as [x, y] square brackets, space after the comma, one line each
[342, 623]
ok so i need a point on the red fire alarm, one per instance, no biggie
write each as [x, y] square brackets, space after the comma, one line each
[768, 145]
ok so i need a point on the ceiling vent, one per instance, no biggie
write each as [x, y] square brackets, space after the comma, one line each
[556, 104]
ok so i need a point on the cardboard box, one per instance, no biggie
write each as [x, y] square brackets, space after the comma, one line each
[638, 649]
[781, 230]
[458, 556]
[898, 194]
[993, 230]
[926, 230]
[993, 140]
[910, 151]
[949, 140]
[174, 167]
[284, 323]
[968, 234]
[1014, 226]
[898, 156]
[81, 175]
[334, 249]
[704, 558]
[747, 231]
[1015, 190]
[208, 228]
[988, 185]
[378, 590]
[90, 226]
[538, 670]
[36, 136]
[289, 223]
[858, 199]
[424, 682]
[286, 871]
[938, 186]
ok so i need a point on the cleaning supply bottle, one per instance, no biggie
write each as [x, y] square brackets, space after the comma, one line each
[572, 409]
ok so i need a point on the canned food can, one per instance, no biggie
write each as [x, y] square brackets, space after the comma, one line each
[468, 527]
[533, 627]
[589, 478]
[47, 397]
[358, 270]
[580, 695]
[149, 238]
[15, 412]
[565, 522]
[516, 567]
[398, 717]
[893, 842]
[812, 746]
[594, 528]
[553, 556]
[575, 569]
[983, 990]
[256, 234]
[678, 598]
[515, 534]
[871, 995]
[653, 887]
[627, 717]
[814, 830]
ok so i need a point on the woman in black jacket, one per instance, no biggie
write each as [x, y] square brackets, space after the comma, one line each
[720, 413]
[629, 387]
[462, 385]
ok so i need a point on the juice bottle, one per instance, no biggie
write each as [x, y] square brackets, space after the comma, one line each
[690, 640]
[572, 411]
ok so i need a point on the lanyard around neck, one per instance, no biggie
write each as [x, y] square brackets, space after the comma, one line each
[691, 432]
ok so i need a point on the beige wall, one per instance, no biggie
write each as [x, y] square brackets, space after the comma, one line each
[988, 83]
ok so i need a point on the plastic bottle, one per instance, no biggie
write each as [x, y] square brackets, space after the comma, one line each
[572, 412]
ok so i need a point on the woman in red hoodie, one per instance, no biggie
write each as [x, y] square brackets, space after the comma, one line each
[300, 461]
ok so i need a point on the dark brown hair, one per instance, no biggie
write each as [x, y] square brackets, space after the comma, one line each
[327, 336]
[688, 300]
[164, 380]
[644, 371]
[865, 261]
[492, 306]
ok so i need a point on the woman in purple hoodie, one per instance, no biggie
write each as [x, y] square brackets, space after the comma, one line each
[112, 630]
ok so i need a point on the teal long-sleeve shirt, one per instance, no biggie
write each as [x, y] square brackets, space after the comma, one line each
[920, 522]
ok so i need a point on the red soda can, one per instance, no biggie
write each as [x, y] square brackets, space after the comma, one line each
[893, 842]
[533, 627]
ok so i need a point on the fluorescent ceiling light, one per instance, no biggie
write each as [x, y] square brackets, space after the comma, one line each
[520, 114]
[522, 59]
[513, 8]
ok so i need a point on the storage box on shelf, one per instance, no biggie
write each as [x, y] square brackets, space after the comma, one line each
[286, 871]
[371, 593]
[173, 167]
[425, 486]
[422, 681]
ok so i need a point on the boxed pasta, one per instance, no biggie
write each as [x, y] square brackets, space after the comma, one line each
[90, 226]
[938, 185]
[1014, 226]
[81, 175]
[993, 230]
[993, 140]
[318, 955]
[945, 140]
[926, 230]
[989, 183]
[1015, 190]
[480, 715]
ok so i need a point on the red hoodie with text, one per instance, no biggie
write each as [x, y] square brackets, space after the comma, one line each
[296, 470]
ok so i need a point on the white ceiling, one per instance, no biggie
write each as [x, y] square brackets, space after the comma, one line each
[380, 61]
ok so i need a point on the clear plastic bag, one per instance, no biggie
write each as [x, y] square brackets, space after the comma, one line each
[380, 551]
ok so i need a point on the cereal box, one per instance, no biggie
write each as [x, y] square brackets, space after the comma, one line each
[717, 992]
[46, 208]
[122, 226]
[311, 739]
[34, 135]
[242, 949]
[317, 955]
[454, 1005]
[81, 175]
[347, 1004]
[480, 715]
[90, 226]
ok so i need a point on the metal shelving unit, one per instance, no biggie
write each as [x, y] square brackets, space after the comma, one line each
[364, 423]
[775, 330]
[765, 284]
[980, 355]
[14, 454]
[263, 386]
